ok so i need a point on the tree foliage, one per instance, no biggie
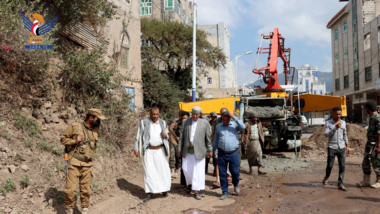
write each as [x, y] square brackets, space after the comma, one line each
[167, 55]
[171, 46]
[161, 91]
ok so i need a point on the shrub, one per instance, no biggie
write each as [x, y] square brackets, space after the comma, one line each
[44, 146]
[25, 181]
[28, 124]
[9, 186]
[57, 151]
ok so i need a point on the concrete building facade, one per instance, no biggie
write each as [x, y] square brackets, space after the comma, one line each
[308, 80]
[212, 82]
[355, 36]
[168, 10]
[120, 40]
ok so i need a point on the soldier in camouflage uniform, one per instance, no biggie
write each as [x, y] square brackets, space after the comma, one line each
[81, 139]
[174, 160]
[372, 148]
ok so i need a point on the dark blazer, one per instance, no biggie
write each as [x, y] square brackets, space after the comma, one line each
[202, 138]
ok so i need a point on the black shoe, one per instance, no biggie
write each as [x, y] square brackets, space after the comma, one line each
[324, 182]
[188, 189]
[148, 197]
[165, 194]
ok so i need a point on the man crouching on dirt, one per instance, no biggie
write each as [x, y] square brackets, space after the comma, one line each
[336, 130]
[81, 139]
[372, 148]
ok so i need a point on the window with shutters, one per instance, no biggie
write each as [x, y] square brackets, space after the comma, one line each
[169, 4]
[368, 74]
[146, 7]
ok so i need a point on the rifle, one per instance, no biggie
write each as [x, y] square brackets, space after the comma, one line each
[66, 160]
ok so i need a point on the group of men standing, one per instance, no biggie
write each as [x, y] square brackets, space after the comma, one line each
[197, 140]
[186, 143]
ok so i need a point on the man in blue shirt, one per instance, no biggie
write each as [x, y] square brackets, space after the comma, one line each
[226, 140]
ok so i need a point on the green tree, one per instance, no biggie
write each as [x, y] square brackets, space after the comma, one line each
[167, 57]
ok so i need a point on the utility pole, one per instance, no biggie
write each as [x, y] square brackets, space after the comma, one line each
[236, 69]
[194, 93]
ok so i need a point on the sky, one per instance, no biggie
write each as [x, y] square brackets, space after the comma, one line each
[301, 22]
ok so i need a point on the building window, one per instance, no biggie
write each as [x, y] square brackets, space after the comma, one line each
[336, 31]
[345, 54]
[124, 52]
[346, 81]
[378, 35]
[145, 43]
[131, 93]
[345, 27]
[337, 85]
[124, 58]
[169, 4]
[336, 58]
[146, 7]
[368, 74]
[184, 17]
[209, 80]
[356, 80]
[177, 7]
[367, 41]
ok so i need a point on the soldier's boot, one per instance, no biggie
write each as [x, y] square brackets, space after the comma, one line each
[69, 211]
[377, 184]
[85, 210]
[365, 182]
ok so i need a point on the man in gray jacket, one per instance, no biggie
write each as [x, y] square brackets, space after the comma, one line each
[152, 143]
[336, 130]
[194, 144]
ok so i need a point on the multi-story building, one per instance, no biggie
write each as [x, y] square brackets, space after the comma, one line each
[355, 36]
[120, 40]
[168, 10]
[308, 80]
[212, 82]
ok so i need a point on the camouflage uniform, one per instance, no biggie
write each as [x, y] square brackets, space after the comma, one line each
[174, 160]
[372, 135]
[80, 165]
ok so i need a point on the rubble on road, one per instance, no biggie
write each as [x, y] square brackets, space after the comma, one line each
[357, 138]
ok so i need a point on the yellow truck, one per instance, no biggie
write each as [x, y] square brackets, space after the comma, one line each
[208, 106]
[282, 125]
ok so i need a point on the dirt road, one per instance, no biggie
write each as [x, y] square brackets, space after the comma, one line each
[291, 186]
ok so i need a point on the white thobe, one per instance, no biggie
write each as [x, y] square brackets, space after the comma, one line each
[194, 169]
[156, 167]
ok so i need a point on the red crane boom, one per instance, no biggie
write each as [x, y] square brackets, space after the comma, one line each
[269, 72]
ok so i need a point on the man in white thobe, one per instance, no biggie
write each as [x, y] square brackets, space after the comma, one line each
[194, 144]
[152, 143]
